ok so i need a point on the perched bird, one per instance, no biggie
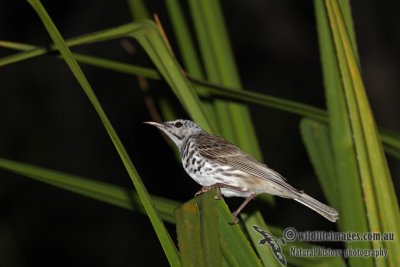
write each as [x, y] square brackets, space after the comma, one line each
[214, 162]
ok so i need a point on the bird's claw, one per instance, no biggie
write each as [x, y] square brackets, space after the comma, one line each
[202, 190]
[235, 220]
[218, 196]
[205, 189]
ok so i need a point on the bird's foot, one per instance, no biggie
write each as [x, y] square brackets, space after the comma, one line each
[235, 219]
[218, 186]
[236, 213]
[218, 196]
[205, 189]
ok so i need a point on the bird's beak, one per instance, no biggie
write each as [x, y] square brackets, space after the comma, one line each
[157, 124]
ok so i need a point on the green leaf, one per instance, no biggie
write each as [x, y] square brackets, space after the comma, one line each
[316, 138]
[187, 49]
[185, 43]
[123, 198]
[205, 229]
[117, 66]
[148, 35]
[235, 246]
[138, 9]
[198, 236]
[16, 46]
[220, 68]
[351, 200]
[358, 150]
[380, 198]
[203, 88]
[162, 233]
[153, 42]
[108, 193]
[248, 97]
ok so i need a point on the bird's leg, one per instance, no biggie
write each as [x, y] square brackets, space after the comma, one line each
[236, 212]
[218, 186]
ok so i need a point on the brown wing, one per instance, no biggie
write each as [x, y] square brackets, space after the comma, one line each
[219, 150]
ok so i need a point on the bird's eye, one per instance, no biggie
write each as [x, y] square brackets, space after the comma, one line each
[178, 124]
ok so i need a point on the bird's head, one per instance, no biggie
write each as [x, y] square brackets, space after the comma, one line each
[178, 130]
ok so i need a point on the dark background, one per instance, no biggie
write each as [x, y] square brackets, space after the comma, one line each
[48, 121]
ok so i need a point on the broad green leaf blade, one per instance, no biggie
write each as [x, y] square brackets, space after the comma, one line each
[108, 193]
[317, 141]
[205, 231]
[198, 236]
[350, 194]
[208, 209]
[234, 119]
[162, 233]
[380, 198]
[189, 237]
[236, 248]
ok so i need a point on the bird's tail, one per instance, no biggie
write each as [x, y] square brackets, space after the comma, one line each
[326, 211]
